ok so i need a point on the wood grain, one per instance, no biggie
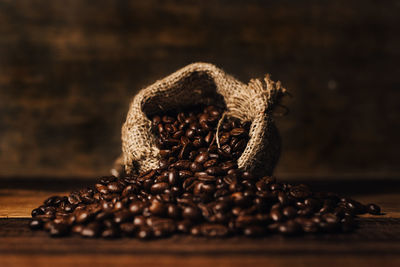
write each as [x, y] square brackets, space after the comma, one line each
[68, 71]
[377, 241]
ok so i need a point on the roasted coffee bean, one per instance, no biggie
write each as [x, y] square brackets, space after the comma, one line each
[163, 164]
[237, 132]
[58, 229]
[173, 211]
[82, 216]
[75, 199]
[283, 198]
[36, 212]
[214, 171]
[113, 187]
[196, 167]
[229, 165]
[159, 188]
[157, 208]
[255, 231]
[188, 183]
[190, 133]
[373, 209]
[100, 216]
[110, 233]
[289, 212]
[207, 178]
[36, 224]
[195, 230]
[202, 157]
[299, 191]
[276, 215]
[163, 227]
[210, 163]
[191, 213]
[172, 177]
[91, 230]
[144, 232]
[107, 179]
[77, 228]
[239, 146]
[330, 218]
[309, 226]
[147, 175]
[224, 138]
[214, 230]
[165, 153]
[128, 228]
[182, 164]
[122, 216]
[52, 201]
[289, 228]
[184, 226]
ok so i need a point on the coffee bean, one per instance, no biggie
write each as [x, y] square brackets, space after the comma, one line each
[276, 215]
[52, 201]
[91, 230]
[330, 218]
[255, 231]
[310, 226]
[214, 171]
[83, 216]
[163, 227]
[122, 216]
[202, 157]
[144, 232]
[159, 188]
[373, 209]
[299, 192]
[182, 164]
[36, 212]
[36, 224]
[196, 167]
[113, 187]
[239, 146]
[289, 228]
[289, 212]
[184, 226]
[207, 178]
[183, 174]
[157, 208]
[191, 213]
[74, 197]
[195, 230]
[238, 132]
[58, 229]
[213, 230]
[173, 211]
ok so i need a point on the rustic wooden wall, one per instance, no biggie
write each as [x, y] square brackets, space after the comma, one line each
[69, 68]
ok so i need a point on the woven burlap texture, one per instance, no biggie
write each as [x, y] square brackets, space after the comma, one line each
[204, 83]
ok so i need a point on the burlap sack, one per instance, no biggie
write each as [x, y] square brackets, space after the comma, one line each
[203, 83]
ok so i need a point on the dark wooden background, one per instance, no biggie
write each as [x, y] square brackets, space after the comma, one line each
[69, 68]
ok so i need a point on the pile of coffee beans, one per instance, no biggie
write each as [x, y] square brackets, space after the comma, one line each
[197, 189]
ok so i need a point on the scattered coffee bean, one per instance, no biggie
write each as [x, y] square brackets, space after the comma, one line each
[373, 209]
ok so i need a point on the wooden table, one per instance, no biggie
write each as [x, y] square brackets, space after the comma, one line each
[375, 243]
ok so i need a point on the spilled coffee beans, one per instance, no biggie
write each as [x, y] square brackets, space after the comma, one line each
[197, 189]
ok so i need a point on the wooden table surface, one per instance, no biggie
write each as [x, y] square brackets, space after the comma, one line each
[375, 243]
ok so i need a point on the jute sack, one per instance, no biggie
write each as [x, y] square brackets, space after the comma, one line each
[203, 83]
